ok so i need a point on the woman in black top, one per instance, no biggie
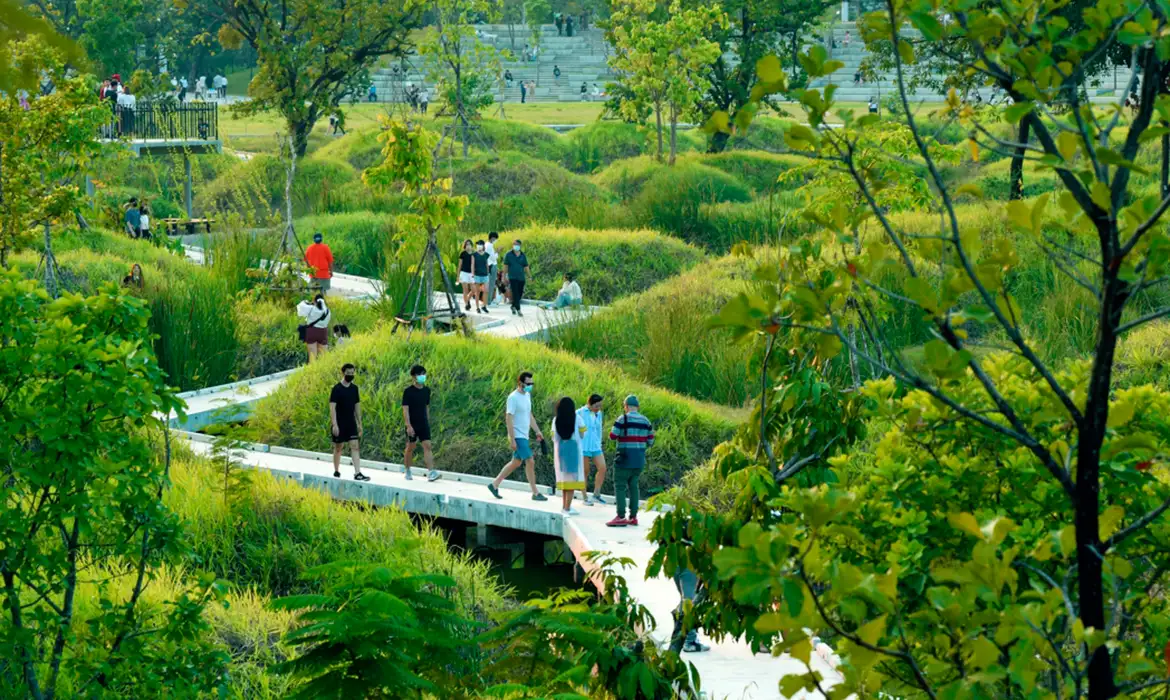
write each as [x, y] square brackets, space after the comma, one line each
[466, 279]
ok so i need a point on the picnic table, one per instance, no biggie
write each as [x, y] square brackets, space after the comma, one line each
[172, 225]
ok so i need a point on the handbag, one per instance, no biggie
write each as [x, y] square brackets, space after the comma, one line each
[303, 329]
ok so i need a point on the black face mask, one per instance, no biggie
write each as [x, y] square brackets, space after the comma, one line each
[349, 377]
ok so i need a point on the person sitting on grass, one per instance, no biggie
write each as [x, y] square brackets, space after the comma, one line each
[570, 294]
[134, 279]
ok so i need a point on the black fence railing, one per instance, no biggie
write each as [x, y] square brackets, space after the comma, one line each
[166, 121]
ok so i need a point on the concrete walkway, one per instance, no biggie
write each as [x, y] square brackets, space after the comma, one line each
[728, 670]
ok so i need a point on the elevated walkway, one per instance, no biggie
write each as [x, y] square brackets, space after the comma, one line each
[729, 670]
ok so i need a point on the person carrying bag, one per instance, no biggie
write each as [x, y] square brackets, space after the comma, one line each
[314, 332]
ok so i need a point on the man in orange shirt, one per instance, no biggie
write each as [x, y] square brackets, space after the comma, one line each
[320, 258]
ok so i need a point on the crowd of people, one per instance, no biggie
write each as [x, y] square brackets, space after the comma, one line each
[576, 433]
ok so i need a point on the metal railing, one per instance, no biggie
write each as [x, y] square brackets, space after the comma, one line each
[164, 121]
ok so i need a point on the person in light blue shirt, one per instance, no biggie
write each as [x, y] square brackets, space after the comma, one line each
[592, 424]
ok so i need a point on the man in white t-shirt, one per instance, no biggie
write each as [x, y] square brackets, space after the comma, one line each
[493, 266]
[520, 422]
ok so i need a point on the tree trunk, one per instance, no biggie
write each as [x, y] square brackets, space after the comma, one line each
[1165, 161]
[300, 130]
[673, 133]
[658, 121]
[1090, 583]
[1016, 179]
[718, 142]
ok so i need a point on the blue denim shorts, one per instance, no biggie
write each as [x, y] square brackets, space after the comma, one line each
[523, 449]
[481, 280]
[590, 454]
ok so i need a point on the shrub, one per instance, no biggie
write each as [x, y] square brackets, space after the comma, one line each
[471, 380]
[266, 333]
[758, 222]
[360, 148]
[672, 198]
[600, 143]
[609, 263]
[361, 241]
[1144, 355]
[662, 335]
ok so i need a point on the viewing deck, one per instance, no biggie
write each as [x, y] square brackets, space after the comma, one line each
[156, 128]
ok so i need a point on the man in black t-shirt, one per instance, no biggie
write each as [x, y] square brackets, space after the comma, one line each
[345, 414]
[416, 414]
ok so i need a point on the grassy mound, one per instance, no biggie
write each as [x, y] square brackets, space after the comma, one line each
[765, 134]
[256, 188]
[756, 169]
[513, 174]
[537, 141]
[661, 335]
[471, 380]
[609, 263]
[600, 143]
[672, 198]
[361, 241]
[995, 180]
[360, 148]
[627, 177]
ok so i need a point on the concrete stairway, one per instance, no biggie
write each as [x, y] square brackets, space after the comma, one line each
[581, 58]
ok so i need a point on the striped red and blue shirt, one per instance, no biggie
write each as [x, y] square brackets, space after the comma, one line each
[633, 433]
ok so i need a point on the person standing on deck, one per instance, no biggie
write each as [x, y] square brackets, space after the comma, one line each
[517, 263]
[520, 421]
[634, 434]
[416, 414]
[345, 413]
[320, 258]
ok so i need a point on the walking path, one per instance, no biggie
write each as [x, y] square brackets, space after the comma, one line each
[728, 670]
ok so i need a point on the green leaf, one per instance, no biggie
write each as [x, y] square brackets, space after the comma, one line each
[905, 51]
[872, 631]
[921, 293]
[769, 70]
[984, 653]
[1110, 521]
[965, 522]
[793, 596]
[1014, 113]
[1120, 413]
[1068, 540]
[971, 188]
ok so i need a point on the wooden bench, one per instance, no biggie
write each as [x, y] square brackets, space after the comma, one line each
[172, 226]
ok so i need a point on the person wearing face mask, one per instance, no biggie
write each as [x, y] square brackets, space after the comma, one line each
[416, 414]
[493, 266]
[466, 279]
[520, 421]
[517, 263]
[479, 269]
[345, 413]
[592, 422]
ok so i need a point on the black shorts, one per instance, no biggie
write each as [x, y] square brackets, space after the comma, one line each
[422, 433]
[343, 436]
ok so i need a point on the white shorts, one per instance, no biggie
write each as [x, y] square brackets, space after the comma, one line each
[466, 278]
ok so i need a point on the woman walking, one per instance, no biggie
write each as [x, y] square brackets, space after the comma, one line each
[567, 453]
[592, 424]
[466, 278]
[316, 326]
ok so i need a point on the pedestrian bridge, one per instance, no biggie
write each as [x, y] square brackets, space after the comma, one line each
[729, 670]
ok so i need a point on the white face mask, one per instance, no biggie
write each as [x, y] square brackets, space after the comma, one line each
[516, 248]
[479, 248]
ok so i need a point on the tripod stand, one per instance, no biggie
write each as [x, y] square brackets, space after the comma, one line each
[421, 293]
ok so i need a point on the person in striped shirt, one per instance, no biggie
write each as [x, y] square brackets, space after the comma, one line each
[634, 434]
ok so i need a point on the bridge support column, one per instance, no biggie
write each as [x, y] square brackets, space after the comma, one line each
[187, 186]
[844, 10]
[533, 552]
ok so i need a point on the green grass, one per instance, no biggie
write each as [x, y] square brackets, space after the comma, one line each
[471, 380]
[361, 241]
[671, 200]
[662, 335]
[255, 188]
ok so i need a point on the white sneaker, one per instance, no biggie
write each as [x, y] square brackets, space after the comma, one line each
[406, 471]
[571, 511]
[433, 475]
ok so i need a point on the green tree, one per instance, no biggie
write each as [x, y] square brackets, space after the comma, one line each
[662, 62]
[757, 28]
[83, 506]
[1005, 534]
[311, 54]
[43, 149]
[465, 70]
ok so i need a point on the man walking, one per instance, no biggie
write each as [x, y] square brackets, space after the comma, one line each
[520, 421]
[493, 266]
[416, 413]
[688, 587]
[320, 258]
[517, 263]
[133, 218]
[345, 413]
[634, 434]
